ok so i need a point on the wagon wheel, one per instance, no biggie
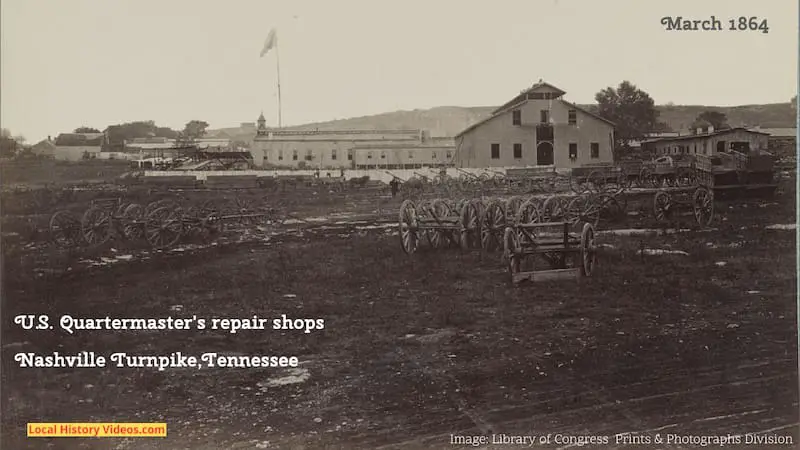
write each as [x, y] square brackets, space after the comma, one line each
[444, 210]
[121, 207]
[65, 229]
[588, 250]
[96, 226]
[244, 207]
[133, 222]
[661, 205]
[470, 225]
[552, 209]
[408, 227]
[511, 251]
[164, 227]
[591, 209]
[168, 203]
[596, 180]
[577, 184]
[493, 226]
[703, 203]
[528, 213]
[609, 208]
[424, 210]
[575, 209]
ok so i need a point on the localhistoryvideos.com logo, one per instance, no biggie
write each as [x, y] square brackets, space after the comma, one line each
[111, 429]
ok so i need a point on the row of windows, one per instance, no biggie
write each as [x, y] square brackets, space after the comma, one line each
[684, 149]
[309, 156]
[722, 146]
[594, 151]
[544, 117]
[448, 155]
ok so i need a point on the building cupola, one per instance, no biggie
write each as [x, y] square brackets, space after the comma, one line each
[262, 122]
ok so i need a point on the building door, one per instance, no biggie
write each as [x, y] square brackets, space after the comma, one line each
[721, 147]
[544, 154]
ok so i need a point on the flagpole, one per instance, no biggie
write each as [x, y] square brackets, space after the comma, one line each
[278, 66]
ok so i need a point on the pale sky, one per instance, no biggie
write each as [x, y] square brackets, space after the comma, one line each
[67, 63]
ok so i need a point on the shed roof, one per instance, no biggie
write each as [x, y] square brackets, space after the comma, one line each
[703, 135]
[778, 132]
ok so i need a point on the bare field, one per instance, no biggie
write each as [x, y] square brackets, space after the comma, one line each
[418, 348]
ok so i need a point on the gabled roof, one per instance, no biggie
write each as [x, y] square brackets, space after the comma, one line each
[586, 111]
[522, 96]
[504, 110]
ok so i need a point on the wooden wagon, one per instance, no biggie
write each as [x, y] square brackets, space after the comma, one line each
[596, 176]
[668, 171]
[527, 244]
[735, 172]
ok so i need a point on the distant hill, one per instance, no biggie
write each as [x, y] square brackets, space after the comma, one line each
[450, 120]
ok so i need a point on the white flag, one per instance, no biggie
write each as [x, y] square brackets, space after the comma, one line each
[272, 41]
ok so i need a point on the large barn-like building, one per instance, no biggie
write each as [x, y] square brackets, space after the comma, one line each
[537, 128]
[348, 149]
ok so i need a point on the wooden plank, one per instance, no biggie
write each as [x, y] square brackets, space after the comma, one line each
[546, 275]
[542, 224]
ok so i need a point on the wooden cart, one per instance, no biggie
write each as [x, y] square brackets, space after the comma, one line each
[525, 245]
[668, 205]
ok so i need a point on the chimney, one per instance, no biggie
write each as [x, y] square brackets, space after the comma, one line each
[49, 138]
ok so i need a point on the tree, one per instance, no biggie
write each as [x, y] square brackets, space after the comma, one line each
[117, 134]
[86, 130]
[716, 119]
[195, 129]
[631, 109]
[8, 146]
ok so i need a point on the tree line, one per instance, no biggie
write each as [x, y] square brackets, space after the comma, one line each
[635, 114]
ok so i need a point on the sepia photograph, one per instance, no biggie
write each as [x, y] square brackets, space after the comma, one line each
[353, 224]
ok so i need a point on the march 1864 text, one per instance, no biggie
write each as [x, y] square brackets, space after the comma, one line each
[712, 23]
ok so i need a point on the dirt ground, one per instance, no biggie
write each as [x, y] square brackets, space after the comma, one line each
[418, 348]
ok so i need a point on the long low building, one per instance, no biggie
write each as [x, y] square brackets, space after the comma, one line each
[709, 142]
[78, 146]
[348, 149]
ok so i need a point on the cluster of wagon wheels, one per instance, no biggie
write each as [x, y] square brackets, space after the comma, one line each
[499, 184]
[481, 223]
[161, 224]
